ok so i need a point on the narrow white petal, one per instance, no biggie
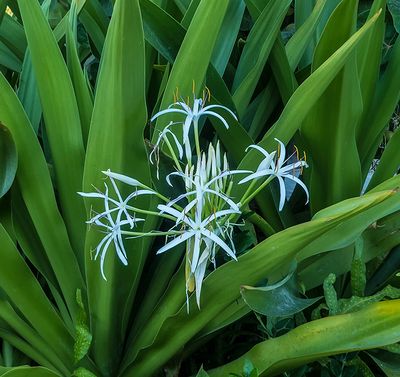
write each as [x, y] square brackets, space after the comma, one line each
[166, 111]
[282, 154]
[299, 182]
[220, 107]
[219, 242]
[196, 251]
[198, 278]
[257, 174]
[212, 113]
[282, 193]
[176, 241]
[103, 256]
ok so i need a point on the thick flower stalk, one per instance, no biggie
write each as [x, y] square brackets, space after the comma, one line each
[203, 216]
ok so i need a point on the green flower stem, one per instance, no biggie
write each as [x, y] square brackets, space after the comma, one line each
[261, 224]
[250, 194]
[173, 154]
[151, 213]
[196, 138]
[153, 234]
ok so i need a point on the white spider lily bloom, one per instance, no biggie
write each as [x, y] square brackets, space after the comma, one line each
[120, 205]
[192, 116]
[201, 236]
[114, 217]
[199, 230]
[112, 227]
[194, 113]
[270, 167]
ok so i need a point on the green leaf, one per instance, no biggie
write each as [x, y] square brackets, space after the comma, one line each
[21, 286]
[118, 120]
[36, 188]
[202, 373]
[221, 288]
[374, 326]
[302, 101]
[379, 113]
[190, 66]
[387, 361]
[61, 117]
[255, 53]
[276, 301]
[394, 9]
[8, 160]
[330, 127]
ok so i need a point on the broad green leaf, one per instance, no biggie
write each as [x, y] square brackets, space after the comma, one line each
[368, 61]
[13, 36]
[297, 44]
[389, 162]
[61, 117]
[221, 287]
[165, 34]
[8, 59]
[330, 127]
[275, 301]
[255, 53]
[27, 90]
[190, 66]
[394, 9]
[82, 93]
[303, 100]
[46, 353]
[28, 93]
[202, 373]
[375, 326]
[36, 188]
[389, 362]
[118, 121]
[21, 286]
[227, 36]
[8, 160]
[379, 113]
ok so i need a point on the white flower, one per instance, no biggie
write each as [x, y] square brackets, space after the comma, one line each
[268, 167]
[113, 225]
[204, 220]
[193, 114]
[198, 234]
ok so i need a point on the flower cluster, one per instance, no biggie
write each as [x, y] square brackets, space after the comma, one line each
[203, 216]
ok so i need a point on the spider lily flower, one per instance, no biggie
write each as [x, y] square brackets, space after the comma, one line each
[201, 236]
[270, 166]
[204, 219]
[112, 228]
[192, 116]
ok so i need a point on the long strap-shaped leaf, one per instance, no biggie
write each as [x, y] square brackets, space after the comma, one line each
[35, 183]
[303, 99]
[330, 127]
[116, 142]
[61, 116]
[194, 56]
[221, 288]
[375, 326]
[256, 51]
[23, 289]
